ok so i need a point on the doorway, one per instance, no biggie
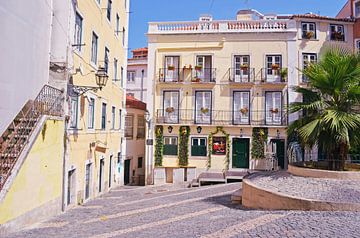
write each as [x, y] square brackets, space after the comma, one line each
[87, 180]
[127, 172]
[71, 187]
[101, 175]
[240, 153]
[278, 147]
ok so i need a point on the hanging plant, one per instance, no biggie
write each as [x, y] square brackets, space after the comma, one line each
[210, 148]
[259, 138]
[184, 134]
[170, 109]
[204, 110]
[159, 146]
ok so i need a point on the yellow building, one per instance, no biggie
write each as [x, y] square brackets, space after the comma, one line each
[219, 89]
[95, 145]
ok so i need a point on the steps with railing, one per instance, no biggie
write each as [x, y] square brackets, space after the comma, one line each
[12, 142]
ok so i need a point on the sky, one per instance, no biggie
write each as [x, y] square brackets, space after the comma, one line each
[144, 11]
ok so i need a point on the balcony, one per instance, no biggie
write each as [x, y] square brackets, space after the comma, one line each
[245, 26]
[203, 75]
[273, 75]
[220, 117]
[169, 75]
[242, 75]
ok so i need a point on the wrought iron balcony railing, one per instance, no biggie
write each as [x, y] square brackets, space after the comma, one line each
[203, 75]
[169, 74]
[274, 117]
[242, 75]
[272, 75]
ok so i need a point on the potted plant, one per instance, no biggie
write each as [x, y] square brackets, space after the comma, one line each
[274, 110]
[244, 66]
[284, 74]
[338, 35]
[198, 67]
[171, 67]
[309, 34]
[244, 110]
[275, 66]
[170, 109]
[196, 79]
[204, 110]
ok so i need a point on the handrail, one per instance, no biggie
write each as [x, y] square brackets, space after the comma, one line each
[47, 102]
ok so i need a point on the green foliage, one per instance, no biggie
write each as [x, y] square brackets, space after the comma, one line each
[210, 140]
[184, 134]
[259, 138]
[330, 107]
[159, 146]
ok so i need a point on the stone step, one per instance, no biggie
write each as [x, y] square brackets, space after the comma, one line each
[236, 197]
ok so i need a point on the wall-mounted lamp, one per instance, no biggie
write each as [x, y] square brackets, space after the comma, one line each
[199, 129]
[241, 132]
[101, 79]
[277, 134]
[170, 129]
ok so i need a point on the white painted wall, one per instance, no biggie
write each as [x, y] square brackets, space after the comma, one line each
[24, 59]
[140, 79]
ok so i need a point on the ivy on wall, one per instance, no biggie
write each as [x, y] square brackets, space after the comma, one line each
[210, 147]
[159, 146]
[184, 134]
[259, 138]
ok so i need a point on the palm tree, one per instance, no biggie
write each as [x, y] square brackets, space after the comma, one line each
[330, 116]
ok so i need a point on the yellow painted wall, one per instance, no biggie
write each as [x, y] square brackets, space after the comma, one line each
[39, 180]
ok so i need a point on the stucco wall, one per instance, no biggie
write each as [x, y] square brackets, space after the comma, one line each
[38, 183]
[24, 47]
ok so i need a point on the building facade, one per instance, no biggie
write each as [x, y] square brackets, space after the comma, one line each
[219, 89]
[135, 131]
[95, 145]
[137, 74]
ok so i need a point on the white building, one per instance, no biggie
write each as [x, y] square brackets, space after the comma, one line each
[137, 74]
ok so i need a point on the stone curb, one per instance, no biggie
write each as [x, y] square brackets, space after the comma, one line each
[318, 173]
[260, 198]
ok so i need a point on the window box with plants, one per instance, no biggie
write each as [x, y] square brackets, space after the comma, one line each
[274, 110]
[275, 67]
[196, 80]
[309, 35]
[244, 110]
[198, 67]
[204, 110]
[244, 67]
[338, 36]
[171, 67]
[170, 109]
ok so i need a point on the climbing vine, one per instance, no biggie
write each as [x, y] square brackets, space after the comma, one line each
[184, 134]
[259, 138]
[210, 148]
[159, 145]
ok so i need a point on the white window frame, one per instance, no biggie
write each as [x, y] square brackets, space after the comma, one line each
[357, 45]
[90, 180]
[78, 36]
[94, 51]
[337, 29]
[113, 117]
[131, 74]
[171, 140]
[106, 59]
[354, 7]
[115, 70]
[91, 116]
[307, 24]
[72, 107]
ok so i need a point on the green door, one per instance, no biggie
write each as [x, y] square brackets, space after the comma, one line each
[240, 153]
[280, 152]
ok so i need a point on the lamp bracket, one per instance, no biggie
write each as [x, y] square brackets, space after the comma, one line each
[80, 90]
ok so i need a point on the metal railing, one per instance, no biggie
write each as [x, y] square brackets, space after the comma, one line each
[203, 75]
[48, 102]
[222, 117]
[169, 74]
[272, 75]
[241, 75]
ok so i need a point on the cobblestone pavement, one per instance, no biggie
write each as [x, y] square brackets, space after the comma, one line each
[175, 211]
[330, 190]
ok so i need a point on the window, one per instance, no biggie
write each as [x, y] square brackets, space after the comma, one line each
[337, 32]
[273, 106]
[171, 106]
[123, 36]
[357, 46]
[241, 107]
[122, 76]
[170, 145]
[91, 113]
[308, 58]
[74, 112]
[131, 76]
[357, 9]
[241, 71]
[171, 71]
[308, 30]
[198, 147]
[129, 127]
[141, 127]
[113, 118]
[87, 180]
[94, 47]
[78, 31]
[103, 116]
[273, 68]
[140, 162]
[106, 59]
[117, 27]
[115, 69]
[120, 119]
[108, 10]
[203, 107]
[203, 70]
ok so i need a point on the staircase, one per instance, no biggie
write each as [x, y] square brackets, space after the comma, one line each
[12, 142]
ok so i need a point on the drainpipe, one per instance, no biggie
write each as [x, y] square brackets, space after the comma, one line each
[142, 86]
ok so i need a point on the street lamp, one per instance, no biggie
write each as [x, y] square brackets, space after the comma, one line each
[101, 78]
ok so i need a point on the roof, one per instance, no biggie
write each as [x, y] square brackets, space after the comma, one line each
[140, 49]
[318, 17]
[132, 102]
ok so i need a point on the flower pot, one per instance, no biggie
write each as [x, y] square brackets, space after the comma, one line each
[275, 67]
[274, 110]
[244, 110]
[169, 109]
[244, 67]
[198, 67]
[171, 67]
[309, 34]
[204, 110]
